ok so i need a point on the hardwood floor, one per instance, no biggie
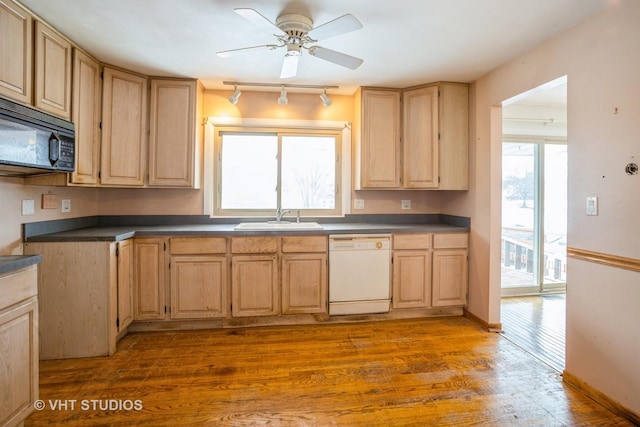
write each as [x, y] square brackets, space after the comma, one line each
[438, 371]
[536, 323]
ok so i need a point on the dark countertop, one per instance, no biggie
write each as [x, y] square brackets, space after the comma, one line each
[114, 234]
[9, 263]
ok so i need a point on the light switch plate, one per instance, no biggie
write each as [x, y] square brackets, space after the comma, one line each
[28, 207]
[66, 205]
[358, 204]
[592, 206]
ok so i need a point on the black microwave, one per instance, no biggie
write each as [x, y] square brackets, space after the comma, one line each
[33, 142]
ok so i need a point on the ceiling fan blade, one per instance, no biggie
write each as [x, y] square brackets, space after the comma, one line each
[258, 19]
[343, 24]
[289, 66]
[336, 57]
[241, 51]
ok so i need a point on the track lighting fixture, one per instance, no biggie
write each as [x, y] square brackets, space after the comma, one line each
[236, 94]
[282, 100]
[283, 97]
[326, 101]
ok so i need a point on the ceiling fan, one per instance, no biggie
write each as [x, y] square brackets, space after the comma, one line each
[296, 33]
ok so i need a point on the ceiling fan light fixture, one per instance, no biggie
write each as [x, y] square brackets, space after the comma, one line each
[283, 97]
[326, 101]
[234, 97]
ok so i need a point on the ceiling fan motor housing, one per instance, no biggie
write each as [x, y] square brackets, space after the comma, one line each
[294, 25]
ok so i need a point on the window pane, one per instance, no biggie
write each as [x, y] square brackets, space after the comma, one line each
[249, 171]
[308, 172]
[555, 214]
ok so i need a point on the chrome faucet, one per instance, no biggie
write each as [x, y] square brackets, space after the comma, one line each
[280, 213]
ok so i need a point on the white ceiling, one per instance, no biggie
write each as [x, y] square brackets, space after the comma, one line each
[403, 42]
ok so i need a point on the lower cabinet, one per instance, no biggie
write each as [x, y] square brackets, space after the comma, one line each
[85, 296]
[430, 270]
[18, 345]
[149, 278]
[254, 276]
[199, 277]
[450, 269]
[304, 275]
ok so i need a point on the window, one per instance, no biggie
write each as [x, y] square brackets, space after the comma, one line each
[259, 170]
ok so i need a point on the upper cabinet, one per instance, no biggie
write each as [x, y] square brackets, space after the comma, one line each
[378, 132]
[175, 133]
[53, 71]
[412, 139]
[124, 128]
[86, 115]
[16, 51]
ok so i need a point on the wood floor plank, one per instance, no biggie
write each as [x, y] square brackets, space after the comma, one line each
[439, 371]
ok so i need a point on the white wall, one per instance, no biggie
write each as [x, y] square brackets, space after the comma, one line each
[601, 57]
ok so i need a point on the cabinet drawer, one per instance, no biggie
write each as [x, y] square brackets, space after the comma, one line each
[457, 240]
[198, 245]
[304, 244]
[412, 241]
[18, 285]
[254, 245]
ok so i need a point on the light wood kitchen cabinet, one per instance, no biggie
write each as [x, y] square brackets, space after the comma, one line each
[415, 138]
[83, 291]
[304, 274]
[420, 138]
[411, 270]
[254, 276]
[53, 71]
[124, 254]
[377, 127]
[86, 115]
[149, 278]
[175, 133]
[18, 344]
[124, 128]
[199, 278]
[16, 52]
[450, 269]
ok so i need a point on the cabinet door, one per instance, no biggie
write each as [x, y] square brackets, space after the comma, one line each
[124, 128]
[149, 279]
[420, 138]
[198, 287]
[304, 283]
[125, 284]
[16, 51]
[19, 367]
[450, 277]
[87, 92]
[173, 134]
[453, 124]
[411, 279]
[53, 72]
[380, 143]
[254, 285]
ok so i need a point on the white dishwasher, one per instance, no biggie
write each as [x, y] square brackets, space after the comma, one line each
[359, 273]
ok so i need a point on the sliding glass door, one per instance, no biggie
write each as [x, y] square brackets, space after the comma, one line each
[534, 216]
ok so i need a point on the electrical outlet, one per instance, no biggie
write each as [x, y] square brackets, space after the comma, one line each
[28, 207]
[358, 204]
[66, 205]
[405, 204]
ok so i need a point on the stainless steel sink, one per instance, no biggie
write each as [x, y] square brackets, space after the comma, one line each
[278, 226]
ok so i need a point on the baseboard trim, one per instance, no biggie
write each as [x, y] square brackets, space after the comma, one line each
[604, 259]
[491, 327]
[600, 397]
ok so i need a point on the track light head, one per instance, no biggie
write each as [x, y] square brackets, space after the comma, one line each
[236, 94]
[283, 97]
[326, 101]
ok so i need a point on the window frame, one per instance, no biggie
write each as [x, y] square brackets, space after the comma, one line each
[280, 132]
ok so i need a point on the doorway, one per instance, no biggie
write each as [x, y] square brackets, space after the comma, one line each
[534, 220]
